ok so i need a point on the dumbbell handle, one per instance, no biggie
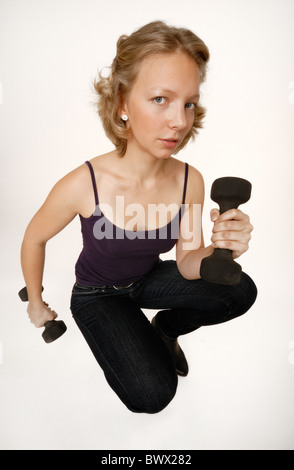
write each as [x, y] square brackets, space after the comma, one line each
[53, 328]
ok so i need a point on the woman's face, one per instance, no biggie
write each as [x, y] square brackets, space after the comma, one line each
[161, 104]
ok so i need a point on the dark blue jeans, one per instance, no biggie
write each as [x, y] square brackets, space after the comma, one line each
[135, 361]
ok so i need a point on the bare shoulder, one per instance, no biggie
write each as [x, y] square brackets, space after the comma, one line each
[195, 186]
[77, 180]
[76, 186]
[73, 191]
[73, 181]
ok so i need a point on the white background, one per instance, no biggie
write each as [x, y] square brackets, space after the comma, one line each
[240, 389]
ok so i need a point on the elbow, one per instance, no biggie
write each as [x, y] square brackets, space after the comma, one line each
[33, 235]
[187, 271]
[30, 240]
[190, 276]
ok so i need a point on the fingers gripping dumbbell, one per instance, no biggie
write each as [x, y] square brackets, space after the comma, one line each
[53, 328]
[220, 268]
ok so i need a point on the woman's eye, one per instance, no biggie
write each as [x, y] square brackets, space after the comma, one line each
[159, 100]
[190, 105]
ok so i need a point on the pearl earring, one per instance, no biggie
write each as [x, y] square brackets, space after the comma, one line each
[124, 117]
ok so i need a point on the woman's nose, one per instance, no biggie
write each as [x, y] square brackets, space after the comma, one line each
[177, 118]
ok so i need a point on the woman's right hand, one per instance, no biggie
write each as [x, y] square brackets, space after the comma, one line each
[40, 313]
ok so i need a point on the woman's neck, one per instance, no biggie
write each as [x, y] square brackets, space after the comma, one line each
[143, 169]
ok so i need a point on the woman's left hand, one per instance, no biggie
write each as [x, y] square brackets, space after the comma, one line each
[231, 230]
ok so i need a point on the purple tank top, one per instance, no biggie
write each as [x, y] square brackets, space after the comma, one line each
[115, 256]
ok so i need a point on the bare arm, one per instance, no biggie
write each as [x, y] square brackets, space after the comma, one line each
[56, 213]
[190, 247]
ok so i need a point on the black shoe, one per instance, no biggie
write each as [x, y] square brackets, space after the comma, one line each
[182, 368]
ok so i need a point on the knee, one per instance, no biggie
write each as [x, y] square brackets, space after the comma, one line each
[243, 296]
[249, 290]
[154, 399]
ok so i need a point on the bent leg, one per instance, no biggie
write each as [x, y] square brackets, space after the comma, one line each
[190, 304]
[136, 364]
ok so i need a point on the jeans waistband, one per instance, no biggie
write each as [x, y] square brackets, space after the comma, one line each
[88, 287]
[122, 287]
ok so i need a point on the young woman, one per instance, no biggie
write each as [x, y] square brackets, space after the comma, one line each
[135, 203]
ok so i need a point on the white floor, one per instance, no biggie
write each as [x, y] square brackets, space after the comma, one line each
[238, 394]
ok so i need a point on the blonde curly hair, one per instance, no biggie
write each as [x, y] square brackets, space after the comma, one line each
[153, 38]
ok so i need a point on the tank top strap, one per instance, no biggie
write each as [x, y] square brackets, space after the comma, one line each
[93, 181]
[185, 182]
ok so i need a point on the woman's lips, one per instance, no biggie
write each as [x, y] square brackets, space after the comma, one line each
[169, 143]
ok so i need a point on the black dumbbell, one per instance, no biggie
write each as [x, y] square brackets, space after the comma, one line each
[220, 268]
[53, 328]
